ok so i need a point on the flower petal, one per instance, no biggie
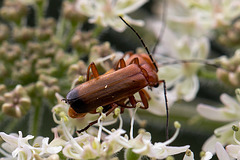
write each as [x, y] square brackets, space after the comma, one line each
[221, 152]
[212, 113]
[229, 102]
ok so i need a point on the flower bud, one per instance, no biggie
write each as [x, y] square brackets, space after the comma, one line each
[10, 52]
[13, 11]
[16, 103]
[230, 76]
[47, 85]
[75, 70]
[70, 13]
[23, 35]
[46, 29]
[4, 32]
[83, 41]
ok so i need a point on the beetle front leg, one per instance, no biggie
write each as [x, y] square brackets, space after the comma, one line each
[166, 104]
[95, 73]
[144, 99]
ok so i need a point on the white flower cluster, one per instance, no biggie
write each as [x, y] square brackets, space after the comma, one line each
[184, 46]
[106, 12]
[228, 134]
[104, 145]
[17, 146]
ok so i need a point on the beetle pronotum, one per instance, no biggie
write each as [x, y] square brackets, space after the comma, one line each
[113, 89]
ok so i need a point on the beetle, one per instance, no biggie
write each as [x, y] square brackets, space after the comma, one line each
[113, 88]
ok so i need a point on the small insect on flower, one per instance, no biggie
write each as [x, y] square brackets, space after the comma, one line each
[116, 87]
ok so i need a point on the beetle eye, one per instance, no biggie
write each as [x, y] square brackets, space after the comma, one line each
[64, 100]
[156, 85]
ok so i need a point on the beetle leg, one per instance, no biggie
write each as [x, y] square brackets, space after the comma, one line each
[146, 94]
[113, 106]
[166, 104]
[133, 101]
[143, 99]
[122, 105]
[94, 71]
[122, 64]
[135, 61]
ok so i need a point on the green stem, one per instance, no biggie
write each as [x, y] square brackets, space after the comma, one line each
[11, 125]
[204, 73]
[97, 31]
[60, 27]
[35, 118]
[40, 8]
[74, 26]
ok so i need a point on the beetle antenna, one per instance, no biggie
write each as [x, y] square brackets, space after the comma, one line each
[144, 45]
[163, 20]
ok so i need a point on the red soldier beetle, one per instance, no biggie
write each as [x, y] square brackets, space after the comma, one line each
[113, 88]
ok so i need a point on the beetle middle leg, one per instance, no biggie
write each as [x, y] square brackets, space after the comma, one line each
[122, 64]
[94, 71]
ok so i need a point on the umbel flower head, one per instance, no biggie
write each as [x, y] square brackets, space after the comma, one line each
[107, 143]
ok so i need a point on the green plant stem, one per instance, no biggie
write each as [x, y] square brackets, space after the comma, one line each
[71, 32]
[204, 73]
[60, 27]
[40, 8]
[97, 31]
[11, 125]
[35, 118]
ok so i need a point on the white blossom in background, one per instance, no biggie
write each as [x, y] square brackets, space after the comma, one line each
[180, 76]
[106, 12]
[228, 113]
[199, 18]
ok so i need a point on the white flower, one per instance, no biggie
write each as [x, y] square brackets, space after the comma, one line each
[234, 149]
[18, 146]
[182, 76]
[48, 149]
[106, 12]
[92, 148]
[229, 113]
[142, 145]
[21, 149]
[200, 17]
[222, 135]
